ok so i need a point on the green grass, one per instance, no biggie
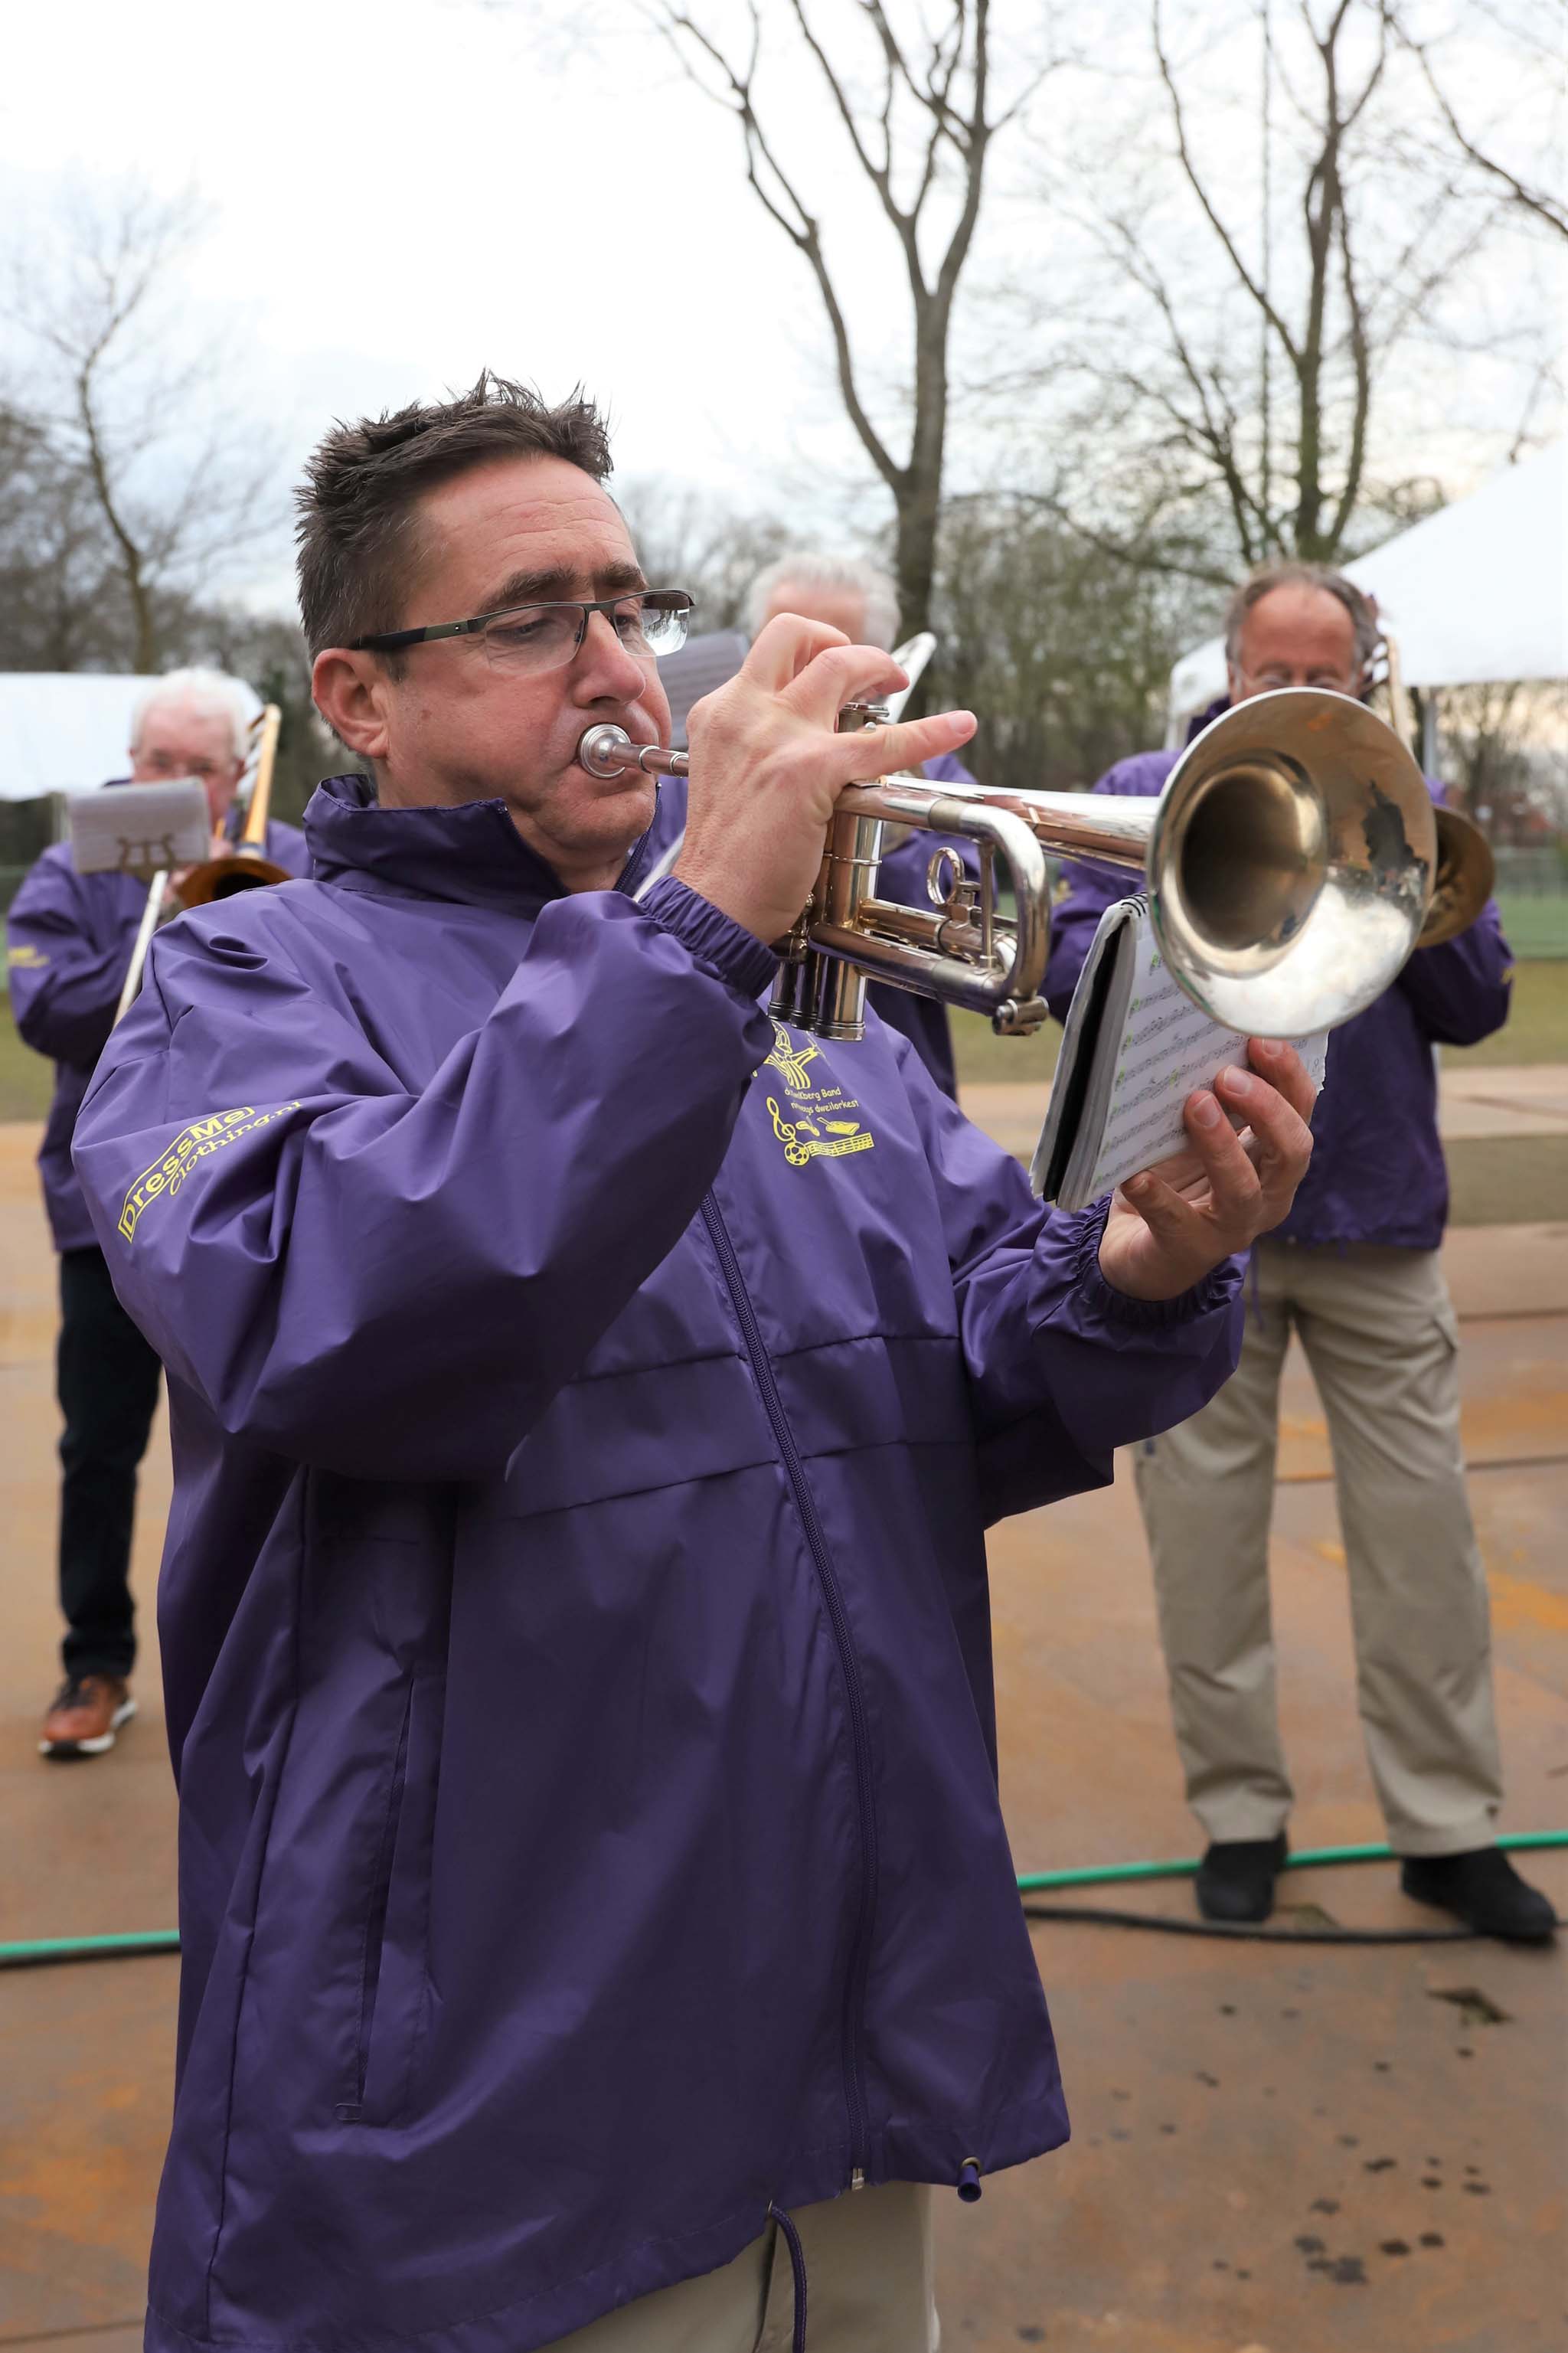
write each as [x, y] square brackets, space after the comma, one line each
[1535, 922]
[1537, 1027]
[27, 1081]
[1537, 1031]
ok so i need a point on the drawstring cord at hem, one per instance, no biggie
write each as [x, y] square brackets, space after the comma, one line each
[797, 2275]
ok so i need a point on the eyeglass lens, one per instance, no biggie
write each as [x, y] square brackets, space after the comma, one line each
[545, 636]
[1272, 681]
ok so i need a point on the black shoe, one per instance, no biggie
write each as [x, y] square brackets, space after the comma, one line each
[1235, 1878]
[1482, 1889]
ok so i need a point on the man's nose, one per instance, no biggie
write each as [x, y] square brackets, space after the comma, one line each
[603, 669]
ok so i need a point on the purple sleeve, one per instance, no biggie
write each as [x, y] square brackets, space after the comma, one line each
[64, 987]
[1460, 992]
[1063, 1368]
[1086, 888]
[389, 1284]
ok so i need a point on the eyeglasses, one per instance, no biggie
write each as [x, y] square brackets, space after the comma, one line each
[1272, 681]
[528, 639]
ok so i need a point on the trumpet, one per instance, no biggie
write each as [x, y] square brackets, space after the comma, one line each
[1290, 866]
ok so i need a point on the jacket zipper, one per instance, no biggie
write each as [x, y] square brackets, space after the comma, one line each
[381, 1897]
[826, 1577]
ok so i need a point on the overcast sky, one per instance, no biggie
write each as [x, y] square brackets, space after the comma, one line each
[407, 189]
[404, 194]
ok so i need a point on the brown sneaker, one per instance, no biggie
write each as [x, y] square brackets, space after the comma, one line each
[87, 1712]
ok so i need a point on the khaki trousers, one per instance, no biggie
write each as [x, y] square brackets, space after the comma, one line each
[1382, 1339]
[868, 2288]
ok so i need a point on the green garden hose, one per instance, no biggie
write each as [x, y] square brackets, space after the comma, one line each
[45, 1949]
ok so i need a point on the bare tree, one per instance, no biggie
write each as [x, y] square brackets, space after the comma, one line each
[1064, 654]
[1255, 298]
[915, 107]
[1542, 205]
[127, 409]
[58, 586]
[687, 539]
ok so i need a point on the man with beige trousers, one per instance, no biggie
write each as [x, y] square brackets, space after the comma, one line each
[1354, 1270]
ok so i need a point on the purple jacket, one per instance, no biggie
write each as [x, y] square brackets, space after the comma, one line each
[1377, 1173]
[69, 938]
[587, 1401]
[922, 1019]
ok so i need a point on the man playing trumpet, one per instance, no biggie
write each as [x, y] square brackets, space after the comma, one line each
[589, 1397]
[71, 938]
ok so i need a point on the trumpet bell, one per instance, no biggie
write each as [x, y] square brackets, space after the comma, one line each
[1290, 861]
[220, 877]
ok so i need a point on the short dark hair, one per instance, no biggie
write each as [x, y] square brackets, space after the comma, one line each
[1290, 573]
[358, 505]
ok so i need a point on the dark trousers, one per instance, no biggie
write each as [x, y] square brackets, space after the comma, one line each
[108, 1387]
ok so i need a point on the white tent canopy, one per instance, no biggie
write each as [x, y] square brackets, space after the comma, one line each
[1477, 594]
[64, 732]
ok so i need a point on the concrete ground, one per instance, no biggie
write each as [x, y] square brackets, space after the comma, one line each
[1274, 2152]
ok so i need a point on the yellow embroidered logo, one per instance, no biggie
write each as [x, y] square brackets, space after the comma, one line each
[30, 958]
[197, 1142]
[790, 1062]
[818, 1127]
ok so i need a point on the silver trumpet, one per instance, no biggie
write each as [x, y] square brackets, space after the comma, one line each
[1289, 865]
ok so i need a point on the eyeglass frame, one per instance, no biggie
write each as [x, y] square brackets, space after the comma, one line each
[1351, 693]
[387, 641]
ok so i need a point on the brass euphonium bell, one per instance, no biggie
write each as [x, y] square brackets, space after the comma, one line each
[1467, 870]
[1467, 877]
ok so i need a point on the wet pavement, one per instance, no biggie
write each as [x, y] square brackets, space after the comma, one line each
[1275, 2151]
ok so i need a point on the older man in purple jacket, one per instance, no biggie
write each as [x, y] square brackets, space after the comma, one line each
[853, 595]
[1354, 1270]
[588, 1399]
[69, 938]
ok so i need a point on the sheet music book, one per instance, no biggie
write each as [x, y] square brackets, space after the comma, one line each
[137, 828]
[1134, 1048]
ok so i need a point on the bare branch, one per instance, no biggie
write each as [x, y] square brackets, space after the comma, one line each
[802, 232]
[1544, 208]
[1200, 191]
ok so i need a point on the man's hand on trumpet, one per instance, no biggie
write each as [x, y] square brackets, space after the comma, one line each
[767, 766]
[1173, 1224]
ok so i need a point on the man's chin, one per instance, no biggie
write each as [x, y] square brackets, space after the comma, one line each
[589, 820]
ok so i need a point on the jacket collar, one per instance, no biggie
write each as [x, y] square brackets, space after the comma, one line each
[473, 855]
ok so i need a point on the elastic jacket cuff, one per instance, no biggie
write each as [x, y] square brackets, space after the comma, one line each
[721, 947]
[1218, 1289]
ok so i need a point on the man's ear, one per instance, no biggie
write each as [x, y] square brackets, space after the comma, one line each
[349, 690]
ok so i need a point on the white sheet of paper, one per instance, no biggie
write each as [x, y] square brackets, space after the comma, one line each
[1169, 1046]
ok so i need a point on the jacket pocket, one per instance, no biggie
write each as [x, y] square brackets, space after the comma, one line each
[394, 1978]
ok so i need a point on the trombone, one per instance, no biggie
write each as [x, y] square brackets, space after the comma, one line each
[1290, 863]
[243, 868]
[247, 865]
